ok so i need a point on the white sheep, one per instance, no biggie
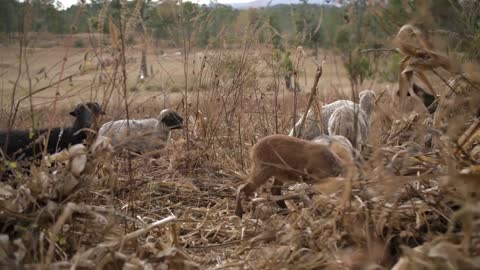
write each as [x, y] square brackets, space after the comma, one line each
[353, 121]
[339, 145]
[345, 152]
[350, 122]
[311, 128]
[142, 133]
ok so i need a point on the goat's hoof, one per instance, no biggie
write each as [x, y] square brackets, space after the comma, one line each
[239, 213]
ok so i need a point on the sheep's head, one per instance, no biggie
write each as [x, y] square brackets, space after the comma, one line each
[367, 101]
[86, 114]
[89, 107]
[170, 119]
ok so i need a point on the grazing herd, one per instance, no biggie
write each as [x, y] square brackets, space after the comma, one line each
[315, 156]
[340, 118]
[24, 144]
[326, 149]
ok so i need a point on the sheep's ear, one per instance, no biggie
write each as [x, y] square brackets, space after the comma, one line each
[73, 113]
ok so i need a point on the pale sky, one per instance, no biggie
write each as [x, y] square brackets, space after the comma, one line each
[67, 3]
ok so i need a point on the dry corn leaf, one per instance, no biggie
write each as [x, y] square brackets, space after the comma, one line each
[408, 30]
[21, 202]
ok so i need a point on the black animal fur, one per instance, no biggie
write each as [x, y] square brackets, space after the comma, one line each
[20, 144]
[173, 121]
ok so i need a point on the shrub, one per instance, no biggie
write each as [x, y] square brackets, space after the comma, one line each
[175, 89]
[342, 40]
[391, 68]
[78, 43]
[133, 89]
[130, 40]
[359, 69]
[153, 87]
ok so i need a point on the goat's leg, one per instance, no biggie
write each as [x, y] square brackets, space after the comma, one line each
[247, 188]
[277, 191]
[256, 179]
[238, 200]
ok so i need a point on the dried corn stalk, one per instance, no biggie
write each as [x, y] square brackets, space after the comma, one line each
[418, 59]
[113, 34]
[456, 108]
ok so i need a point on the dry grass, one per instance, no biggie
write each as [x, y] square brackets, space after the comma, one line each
[407, 194]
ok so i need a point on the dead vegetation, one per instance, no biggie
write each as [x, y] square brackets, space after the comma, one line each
[412, 200]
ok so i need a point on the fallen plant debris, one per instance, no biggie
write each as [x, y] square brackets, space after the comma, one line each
[415, 213]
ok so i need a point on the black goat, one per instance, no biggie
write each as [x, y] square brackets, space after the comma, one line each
[20, 144]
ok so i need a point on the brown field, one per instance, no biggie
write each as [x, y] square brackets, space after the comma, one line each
[45, 68]
[163, 88]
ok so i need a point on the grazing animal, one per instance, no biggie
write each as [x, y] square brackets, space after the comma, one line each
[20, 144]
[142, 133]
[339, 145]
[367, 101]
[353, 121]
[287, 159]
[311, 127]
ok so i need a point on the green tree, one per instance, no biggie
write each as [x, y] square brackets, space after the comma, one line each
[46, 17]
[9, 14]
[276, 37]
[308, 23]
[349, 40]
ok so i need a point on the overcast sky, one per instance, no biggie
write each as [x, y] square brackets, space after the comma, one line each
[67, 3]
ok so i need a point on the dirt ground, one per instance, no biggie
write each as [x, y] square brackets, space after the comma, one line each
[45, 67]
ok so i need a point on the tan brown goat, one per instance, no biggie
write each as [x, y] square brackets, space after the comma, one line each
[287, 159]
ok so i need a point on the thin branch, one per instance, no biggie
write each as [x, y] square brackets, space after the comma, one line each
[379, 50]
[313, 95]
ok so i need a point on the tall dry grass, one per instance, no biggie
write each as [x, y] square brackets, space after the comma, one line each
[411, 200]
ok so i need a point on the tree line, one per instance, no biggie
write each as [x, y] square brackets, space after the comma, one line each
[312, 26]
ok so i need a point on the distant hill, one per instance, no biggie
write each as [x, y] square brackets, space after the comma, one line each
[265, 3]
